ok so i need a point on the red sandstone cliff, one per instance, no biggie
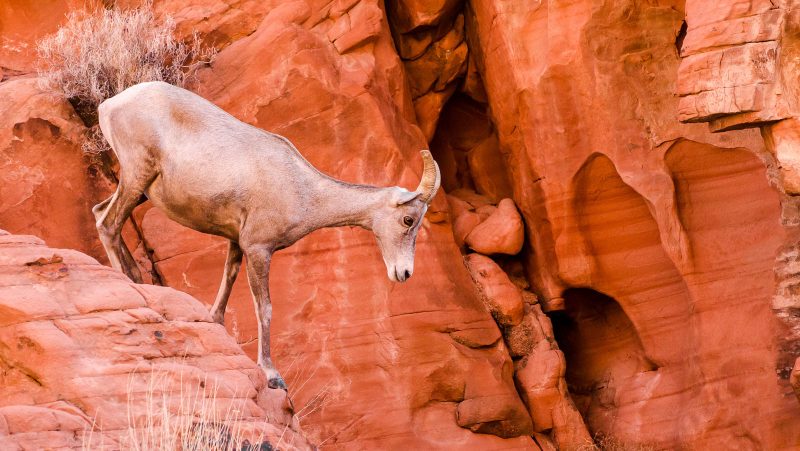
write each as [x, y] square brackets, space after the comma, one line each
[574, 153]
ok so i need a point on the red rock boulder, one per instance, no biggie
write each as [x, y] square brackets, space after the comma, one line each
[502, 232]
[502, 298]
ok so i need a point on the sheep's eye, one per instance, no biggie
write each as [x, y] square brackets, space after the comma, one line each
[408, 221]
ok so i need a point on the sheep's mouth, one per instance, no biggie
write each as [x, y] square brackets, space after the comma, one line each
[392, 274]
[395, 275]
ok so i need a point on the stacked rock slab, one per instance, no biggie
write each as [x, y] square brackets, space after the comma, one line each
[738, 61]
[87, 358]
[539, 365]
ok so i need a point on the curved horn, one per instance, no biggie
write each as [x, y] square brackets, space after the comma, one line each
[431, 178]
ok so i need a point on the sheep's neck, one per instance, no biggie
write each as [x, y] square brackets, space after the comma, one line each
[338, 204]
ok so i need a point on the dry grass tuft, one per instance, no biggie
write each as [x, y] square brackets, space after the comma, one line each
[603, 442]
[189, 417]
[98, 54]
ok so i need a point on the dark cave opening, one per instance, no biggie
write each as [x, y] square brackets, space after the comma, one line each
[601, 346]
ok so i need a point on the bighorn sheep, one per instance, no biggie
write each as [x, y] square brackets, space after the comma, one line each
[212, 173]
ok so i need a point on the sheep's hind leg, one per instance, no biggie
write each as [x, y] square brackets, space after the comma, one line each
[111, 215]
[258, 260]
[232, 264]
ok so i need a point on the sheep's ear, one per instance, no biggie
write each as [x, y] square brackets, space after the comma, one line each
[405, 197]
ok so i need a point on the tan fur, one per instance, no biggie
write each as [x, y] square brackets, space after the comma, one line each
[212, 173]
[184, 119]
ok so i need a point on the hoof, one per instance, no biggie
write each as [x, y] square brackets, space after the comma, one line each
[277, 382]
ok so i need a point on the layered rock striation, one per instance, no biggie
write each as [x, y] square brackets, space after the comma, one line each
[368, 362]
[646, 237]
[89, 359]
[620, 180]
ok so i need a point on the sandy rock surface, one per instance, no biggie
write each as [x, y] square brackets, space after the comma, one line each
[89, 358]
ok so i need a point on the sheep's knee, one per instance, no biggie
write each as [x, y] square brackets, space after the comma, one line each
[100, 208]
[104, 232]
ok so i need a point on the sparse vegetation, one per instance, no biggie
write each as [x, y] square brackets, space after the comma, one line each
[603, 442]
[98, 54]
[189, 417]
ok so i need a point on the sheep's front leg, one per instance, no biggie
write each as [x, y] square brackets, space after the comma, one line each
[258, 260]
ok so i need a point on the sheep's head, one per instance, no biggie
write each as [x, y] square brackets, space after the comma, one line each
[396, 225]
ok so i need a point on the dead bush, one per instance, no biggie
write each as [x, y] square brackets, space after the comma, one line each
[98, 54]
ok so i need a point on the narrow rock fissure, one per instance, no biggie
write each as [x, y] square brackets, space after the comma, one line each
[680, 38]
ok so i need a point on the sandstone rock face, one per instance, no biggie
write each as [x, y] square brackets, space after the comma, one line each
[738, 66]
[666, 256]
[430, 40]
[45, 186]
[343, 335]
[80, 345]
[730, 71]
[768, 31]
[617, 198]
[466, 147]
[794, 378]
[22, 24]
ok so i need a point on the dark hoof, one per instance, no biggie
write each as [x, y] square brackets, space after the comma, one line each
[277, 382]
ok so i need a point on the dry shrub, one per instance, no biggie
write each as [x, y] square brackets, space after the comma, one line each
[98, 54]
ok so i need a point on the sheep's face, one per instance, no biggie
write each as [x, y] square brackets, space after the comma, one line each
[395, 227]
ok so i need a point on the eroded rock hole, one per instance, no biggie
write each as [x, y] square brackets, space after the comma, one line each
[601, 347]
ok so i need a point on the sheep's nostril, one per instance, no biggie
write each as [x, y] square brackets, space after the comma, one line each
[407, 274]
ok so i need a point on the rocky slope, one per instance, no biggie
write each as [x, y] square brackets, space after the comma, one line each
[88, 358]
[629, 272]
